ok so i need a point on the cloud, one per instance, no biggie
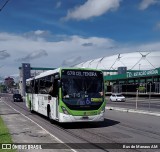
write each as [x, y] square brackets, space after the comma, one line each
[55, 52]
[92, 8]
[157, 27]
[40, 32]
[87, 44]
[38, 35]
[146, 3]
[58, 5]
[66, 51]
[33, 55]
[4, 55]
[71, 61]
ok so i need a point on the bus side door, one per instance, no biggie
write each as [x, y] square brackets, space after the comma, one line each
[55, 93]
[41, 104]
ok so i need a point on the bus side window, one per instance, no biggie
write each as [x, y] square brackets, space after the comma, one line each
[32, 86]
[53, 91]
[29, 87]
[48, 84]
[36, 86]
[42, 86]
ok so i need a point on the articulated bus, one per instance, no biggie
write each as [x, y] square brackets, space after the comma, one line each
[67, 95]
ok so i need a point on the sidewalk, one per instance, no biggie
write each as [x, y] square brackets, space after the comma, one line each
[26, 131]
[133, 110]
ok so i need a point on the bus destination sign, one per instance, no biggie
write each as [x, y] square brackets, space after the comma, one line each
[81, 73]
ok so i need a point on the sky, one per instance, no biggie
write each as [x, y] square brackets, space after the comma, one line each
[56, 33]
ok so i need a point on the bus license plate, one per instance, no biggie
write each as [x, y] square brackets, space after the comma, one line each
[85, 117]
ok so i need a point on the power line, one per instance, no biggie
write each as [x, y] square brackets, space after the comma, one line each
[4, 5]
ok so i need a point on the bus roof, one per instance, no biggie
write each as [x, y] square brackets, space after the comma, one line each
[50, 72]
[29, 79]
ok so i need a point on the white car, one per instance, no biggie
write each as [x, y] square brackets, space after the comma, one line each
[117, 97]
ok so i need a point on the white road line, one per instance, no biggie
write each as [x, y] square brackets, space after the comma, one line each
[40, 127]
[145, 100]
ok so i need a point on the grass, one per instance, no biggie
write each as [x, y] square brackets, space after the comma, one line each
[5, 136]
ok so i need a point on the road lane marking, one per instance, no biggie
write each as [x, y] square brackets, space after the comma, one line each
[40, 127]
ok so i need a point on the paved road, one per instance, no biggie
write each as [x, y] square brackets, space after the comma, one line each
[143, 103]
[118, 127]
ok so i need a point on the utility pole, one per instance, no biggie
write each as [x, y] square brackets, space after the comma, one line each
[137, 98]
[150, 89]
[4, 5]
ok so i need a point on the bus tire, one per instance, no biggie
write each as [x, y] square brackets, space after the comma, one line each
[30, 107]
[49, 114]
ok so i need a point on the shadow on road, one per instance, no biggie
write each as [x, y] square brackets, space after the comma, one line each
[83, 125]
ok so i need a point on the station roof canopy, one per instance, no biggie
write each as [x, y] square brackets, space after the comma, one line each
[142, 60]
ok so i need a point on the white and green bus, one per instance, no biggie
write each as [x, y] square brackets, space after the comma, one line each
[67, 95]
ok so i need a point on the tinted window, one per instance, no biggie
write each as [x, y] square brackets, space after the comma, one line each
[17, 96]
[82, 89]
[119, 96]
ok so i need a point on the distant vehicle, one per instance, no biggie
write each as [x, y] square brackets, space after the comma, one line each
[17, 98]
[117, 97]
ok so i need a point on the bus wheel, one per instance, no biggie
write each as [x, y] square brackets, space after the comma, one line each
[30, 107]
[49, 114]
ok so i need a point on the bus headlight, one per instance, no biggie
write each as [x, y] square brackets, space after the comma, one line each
[64, 110]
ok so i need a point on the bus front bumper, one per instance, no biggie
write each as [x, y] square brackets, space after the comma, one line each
[69, 118]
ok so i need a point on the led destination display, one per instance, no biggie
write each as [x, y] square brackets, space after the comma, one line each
[82, 73]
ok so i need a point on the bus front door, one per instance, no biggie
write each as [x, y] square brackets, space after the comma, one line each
[55, 108]
[41, 104]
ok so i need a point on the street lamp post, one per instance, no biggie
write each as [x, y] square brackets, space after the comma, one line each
[136, 98]
[150, 87]
[139, 66]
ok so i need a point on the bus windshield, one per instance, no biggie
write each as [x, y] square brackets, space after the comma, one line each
[82, 91]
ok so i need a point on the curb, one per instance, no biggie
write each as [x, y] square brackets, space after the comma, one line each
[134, 111]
